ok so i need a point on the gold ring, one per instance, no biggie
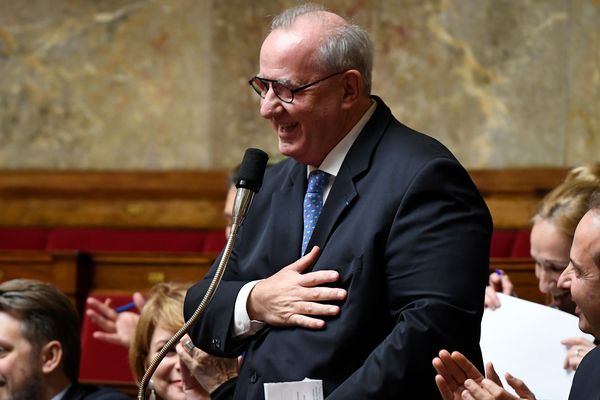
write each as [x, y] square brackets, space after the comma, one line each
[188, 345]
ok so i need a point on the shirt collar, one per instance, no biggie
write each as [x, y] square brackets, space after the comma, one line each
[333, 161]
[62, 393]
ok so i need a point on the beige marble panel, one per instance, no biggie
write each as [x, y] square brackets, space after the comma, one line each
[583, 116]
[107, 84]
[487, 78]
[160, 84]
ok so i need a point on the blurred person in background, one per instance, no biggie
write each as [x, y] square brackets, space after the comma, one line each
[551, 237]
[39, 345]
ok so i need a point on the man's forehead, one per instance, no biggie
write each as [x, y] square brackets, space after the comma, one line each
[10, 327]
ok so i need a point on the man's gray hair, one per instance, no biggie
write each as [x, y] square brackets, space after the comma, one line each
[347, 47]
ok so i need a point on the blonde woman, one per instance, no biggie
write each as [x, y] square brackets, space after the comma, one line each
[175, 377]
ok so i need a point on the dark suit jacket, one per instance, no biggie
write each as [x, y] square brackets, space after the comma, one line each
[586, 382]
[410, 235]
[89, 392]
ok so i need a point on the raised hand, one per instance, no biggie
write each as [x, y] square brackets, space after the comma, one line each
[497, 283]
[116, 328]
[453, 371]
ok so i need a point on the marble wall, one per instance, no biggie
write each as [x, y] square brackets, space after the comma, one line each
[162, 84]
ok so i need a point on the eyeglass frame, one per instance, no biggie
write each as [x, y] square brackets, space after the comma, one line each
[269, 83]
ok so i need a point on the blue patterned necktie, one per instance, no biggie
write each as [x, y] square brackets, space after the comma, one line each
[313, 203]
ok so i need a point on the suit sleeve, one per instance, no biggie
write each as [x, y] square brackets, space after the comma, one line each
[213, 331]
[436, 264]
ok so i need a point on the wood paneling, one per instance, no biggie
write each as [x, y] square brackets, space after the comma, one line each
[129, 272]
[177, 199]
[513, 195]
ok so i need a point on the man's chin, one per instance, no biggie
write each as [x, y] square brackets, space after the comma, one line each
[584, 326]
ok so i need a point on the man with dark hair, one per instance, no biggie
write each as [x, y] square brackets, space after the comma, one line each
[365, 251]
[39, 345]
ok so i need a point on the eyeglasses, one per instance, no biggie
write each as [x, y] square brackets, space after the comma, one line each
[283, 93]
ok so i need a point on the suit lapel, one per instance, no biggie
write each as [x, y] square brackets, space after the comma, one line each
[287, 218]
[356, 164]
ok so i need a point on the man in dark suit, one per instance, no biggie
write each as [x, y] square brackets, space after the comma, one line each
[384, 260]
[39, 345]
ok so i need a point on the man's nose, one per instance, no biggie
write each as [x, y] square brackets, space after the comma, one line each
[270, 105]
[564, 280]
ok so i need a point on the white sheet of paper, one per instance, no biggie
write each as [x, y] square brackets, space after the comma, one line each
[308, 389]
[523, 338]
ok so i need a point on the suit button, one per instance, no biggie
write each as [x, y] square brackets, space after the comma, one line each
[216, 343]
[253, 377]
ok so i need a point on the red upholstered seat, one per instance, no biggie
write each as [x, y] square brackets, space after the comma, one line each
[132, 240]
[502, 243]
[521, 247]
[101, 361]
[214, 241]
[23, 238]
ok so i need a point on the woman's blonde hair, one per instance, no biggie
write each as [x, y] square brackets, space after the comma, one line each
[566, 204]
[164, 307]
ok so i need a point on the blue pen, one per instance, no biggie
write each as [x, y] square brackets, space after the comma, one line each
[499, 271]
[125, 307]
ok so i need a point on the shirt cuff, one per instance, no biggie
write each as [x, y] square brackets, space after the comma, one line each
[242, 324]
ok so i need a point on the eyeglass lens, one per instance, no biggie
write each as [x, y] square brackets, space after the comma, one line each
[261, 86]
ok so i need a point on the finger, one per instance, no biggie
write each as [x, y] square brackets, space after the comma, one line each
[107, 337]
[572, 361]
[321, 293]
[507, 286]
[317, 278]
[311, 308]
[493, 278]
[465, 395]
[184, 356]
[443, 388]
[440, 367]
[520, 387]
[138, 300]
[573, 341]
[476, 391]
[491, 299]
[491, 374]
[102, 322]
[306, 261]
[304, 321]
[495, 282]
[101, 308]
[466, 366]
[454, 373]
[496, 391]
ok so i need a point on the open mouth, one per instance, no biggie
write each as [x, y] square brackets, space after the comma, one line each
[286, 128]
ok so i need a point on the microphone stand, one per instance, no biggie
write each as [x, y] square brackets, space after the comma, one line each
[243, 198]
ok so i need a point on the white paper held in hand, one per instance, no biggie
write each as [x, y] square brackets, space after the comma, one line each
[307, 389]
[523, 338]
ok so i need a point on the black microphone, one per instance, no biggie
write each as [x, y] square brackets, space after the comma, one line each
[248, 182]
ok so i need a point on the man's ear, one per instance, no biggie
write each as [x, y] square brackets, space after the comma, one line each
[51, 356]
[352, 86]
